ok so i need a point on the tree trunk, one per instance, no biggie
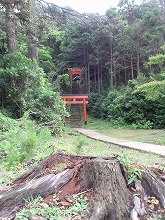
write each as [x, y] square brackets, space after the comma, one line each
[138, 62]
[98, 76]
[110, 189]
[95, 76]
[132, 75]
[125, 71]
[111, 65]
[32, 39]
[86, 68]
[101, 76]
[89, 84]
[114, 76]
[10, 28]
[111, 80]
[3, 97]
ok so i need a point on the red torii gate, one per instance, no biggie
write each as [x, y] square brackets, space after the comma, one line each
[77, 99]
[75, 71]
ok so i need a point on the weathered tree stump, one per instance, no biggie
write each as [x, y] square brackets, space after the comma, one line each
[43, 186]
[154, 186]
[110, 200]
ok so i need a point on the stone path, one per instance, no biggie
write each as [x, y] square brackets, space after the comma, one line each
[157, 149]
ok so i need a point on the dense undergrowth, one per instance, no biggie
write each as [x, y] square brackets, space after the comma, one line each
[31, 111]
[22, 140]
[140, 104]
[25, 87]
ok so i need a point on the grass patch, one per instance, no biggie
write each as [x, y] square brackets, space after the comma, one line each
[80, 144]
[141, 135]
[71, 142]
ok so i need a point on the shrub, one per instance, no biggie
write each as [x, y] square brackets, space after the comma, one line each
[24, 87]
[95, 107]
[21, 140]
[140, 104]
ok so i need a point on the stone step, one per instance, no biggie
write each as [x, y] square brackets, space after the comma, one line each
[75, 110]
[75, 115]
[75, 119]
[75, 126]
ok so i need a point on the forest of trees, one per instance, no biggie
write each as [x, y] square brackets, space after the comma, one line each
[121, 53]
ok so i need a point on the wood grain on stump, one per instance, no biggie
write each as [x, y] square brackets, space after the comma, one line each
[42, 186]
[110, 189]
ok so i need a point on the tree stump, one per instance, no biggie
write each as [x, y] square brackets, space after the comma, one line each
[154, 186]
[105, 177]
[43, 186]
[110, 200]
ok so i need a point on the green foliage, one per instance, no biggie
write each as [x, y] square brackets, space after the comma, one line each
[25, 88]
[53, 212]
[140, 104]
[78, 207]
[158, 59]
[80, 142]
[17, 75]
[3, 180]
[34, 201]
[96, 106]
[6, 123]
[45, 59]
[62, 83]
[45, 107]
[133, 172]
[21, 140]
[117, 43]
[153, 91]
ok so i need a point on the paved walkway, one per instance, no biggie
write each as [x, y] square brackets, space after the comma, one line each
[157, 149]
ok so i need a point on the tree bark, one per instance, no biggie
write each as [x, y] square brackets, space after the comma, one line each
[89, 83]
[42, 186]
[3, 97]
[111, 65]
[95, 76]
[154, 186]
[110, 189]
[132, 69]
[86, 67]
[114, 76]
[10, 28]
[32, 39]
[98, 77]
[101, 75]
[138, 62]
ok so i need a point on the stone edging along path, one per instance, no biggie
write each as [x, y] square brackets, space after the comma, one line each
[154, 148]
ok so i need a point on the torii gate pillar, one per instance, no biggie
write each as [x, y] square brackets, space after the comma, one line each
[77, 99]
